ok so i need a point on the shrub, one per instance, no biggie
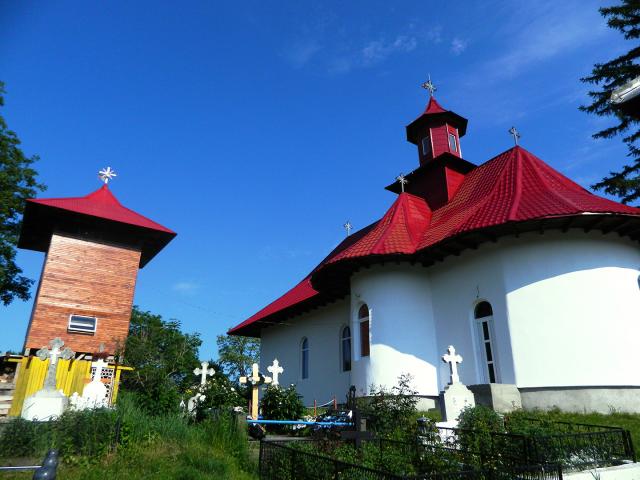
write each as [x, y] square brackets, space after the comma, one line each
[281, 404]
[220, 395]
[392, 412]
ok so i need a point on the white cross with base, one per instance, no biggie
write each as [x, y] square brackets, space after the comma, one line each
[275, 370]
[452, 359]
[204, 371]
[52, 353]
[256, 379]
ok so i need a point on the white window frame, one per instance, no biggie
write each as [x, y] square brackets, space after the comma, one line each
[480, 343]
[430, 145]
[79, 330]
[456, 142]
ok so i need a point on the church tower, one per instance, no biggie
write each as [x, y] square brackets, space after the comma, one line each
[436, 133]
[94, 247]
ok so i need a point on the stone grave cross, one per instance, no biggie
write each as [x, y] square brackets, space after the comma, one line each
[275, 369]
[255, 380]
[52, 353]
[203, 372]
[453, 359]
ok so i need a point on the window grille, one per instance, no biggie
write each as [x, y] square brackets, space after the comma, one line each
[82, 324]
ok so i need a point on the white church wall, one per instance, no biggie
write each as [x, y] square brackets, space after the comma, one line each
[322, 327]
[458, 285]
[574, 309]
[402, 330]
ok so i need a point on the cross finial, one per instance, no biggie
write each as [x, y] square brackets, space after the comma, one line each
[203, 372]
[402, 180]
[429, 85]
[106, 174]
[453, 359]
[348, 227]
[275, 369]
[515, 134]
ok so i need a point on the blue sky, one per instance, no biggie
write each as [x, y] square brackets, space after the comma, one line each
[256, 130]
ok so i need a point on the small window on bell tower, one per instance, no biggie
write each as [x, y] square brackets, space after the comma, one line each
[426, 146]
[453, 143]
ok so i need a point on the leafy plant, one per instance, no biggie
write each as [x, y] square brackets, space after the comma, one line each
[281, 404]
[163, 358]
[237, 354]
[392, 412]
[17, 183]
[220, 395]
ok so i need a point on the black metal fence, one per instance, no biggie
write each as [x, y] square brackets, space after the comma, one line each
[289, 461]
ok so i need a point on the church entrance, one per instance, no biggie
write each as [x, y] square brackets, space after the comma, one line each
[483, 315]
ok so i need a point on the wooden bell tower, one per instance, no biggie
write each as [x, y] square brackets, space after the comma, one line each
[94, 247]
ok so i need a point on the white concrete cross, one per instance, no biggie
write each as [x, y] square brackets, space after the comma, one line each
[204, 371]
[453, 359]
[275, 370]
[52, 353]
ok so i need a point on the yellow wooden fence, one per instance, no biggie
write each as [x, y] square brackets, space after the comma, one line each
[71, 377]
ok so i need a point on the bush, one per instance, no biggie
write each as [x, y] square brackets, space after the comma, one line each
[392, 412]
[88, 434]
[281, 404]
[220, 395]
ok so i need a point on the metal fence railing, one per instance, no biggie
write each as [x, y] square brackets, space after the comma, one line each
[281, 460]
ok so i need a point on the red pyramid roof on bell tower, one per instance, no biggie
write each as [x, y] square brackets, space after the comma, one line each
[102, 204]
[434, 107]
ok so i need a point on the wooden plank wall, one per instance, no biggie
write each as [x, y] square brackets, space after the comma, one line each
[89, 278]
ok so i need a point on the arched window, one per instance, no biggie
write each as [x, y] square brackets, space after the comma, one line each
[305, 357]
[483, 314]
[345, 349]
[363, 319]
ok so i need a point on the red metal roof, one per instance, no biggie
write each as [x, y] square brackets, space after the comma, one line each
[434, 107]
[516, 186]
[102, 204]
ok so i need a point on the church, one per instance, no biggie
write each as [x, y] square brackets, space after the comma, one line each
[533, 279]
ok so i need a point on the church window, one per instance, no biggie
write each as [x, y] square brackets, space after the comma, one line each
[426, 145]
[82, 324]
[483, 314]
[363, 318]
[453, 142]
[345, 349]
[305, 357]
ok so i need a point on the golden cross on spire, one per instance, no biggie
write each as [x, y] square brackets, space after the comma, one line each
[429, 85]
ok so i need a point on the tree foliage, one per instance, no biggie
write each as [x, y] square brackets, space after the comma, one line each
[163, 358]
[624, 17]
[237, 354]
[17, 183]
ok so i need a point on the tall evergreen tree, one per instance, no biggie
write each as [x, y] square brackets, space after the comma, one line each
[17, 183]
[625, 17]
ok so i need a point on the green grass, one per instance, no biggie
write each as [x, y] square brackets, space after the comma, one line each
[167, 447]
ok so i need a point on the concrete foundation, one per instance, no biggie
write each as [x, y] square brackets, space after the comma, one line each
[582, 399]
[502, 397]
